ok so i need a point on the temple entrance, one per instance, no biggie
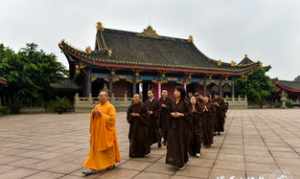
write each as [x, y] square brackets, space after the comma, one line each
[97, 85]
[193, 88]
[226, 90]
[121, 87]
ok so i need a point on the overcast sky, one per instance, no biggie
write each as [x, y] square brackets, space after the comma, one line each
[266, 30]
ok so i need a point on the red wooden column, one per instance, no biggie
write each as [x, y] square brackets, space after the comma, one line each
[159, 89]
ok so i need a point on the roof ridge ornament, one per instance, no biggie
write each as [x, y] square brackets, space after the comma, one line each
[219, 62]
[190, 39]
[232, 63]
[99, 26]
[88, 50]
[100, 41]
[150, 32]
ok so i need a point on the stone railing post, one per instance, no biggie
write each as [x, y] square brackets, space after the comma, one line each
[76, 99]
[126, 99]
[90, 99]
[76, 102]
[283, 99]
[113, 98]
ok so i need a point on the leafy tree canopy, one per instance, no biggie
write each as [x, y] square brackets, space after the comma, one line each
[29, 73]
[257, 86]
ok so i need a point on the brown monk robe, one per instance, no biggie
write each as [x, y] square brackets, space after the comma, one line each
[104, 150]
[214, 106]
[152, 106]
[164, 113]
[138, 129]
[179, 128]
[206, 110]
[196, 135]
[220, 115]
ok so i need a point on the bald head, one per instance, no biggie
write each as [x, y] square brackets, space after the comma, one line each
[136, 99]
[103, 97]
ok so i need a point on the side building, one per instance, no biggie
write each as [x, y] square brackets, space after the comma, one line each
[126, 62]
[289, 92]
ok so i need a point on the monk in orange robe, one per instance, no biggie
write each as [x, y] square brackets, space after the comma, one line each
[104, 150]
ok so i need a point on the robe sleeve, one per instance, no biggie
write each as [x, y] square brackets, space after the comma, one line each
[110, 117]
[102, 135]
[156, 109]
[187, 110]
[143, 115]
[91, 119]
[129, 111]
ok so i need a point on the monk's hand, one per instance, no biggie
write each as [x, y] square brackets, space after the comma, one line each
[135, 114]
[132, 114]
[150, 112]
[173, 114]
[163, 105]
[205, 109]
[97, 114]
[179, 114]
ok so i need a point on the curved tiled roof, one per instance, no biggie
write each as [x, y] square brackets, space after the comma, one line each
[123, 47]
[246, 61]
[292, 86]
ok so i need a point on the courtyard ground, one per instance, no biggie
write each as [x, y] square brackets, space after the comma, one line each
[257, 143]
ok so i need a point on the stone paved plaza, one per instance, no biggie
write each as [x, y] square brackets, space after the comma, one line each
[257, 143]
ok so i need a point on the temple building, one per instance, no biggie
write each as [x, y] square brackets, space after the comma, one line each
[289, 91]
[126, 62]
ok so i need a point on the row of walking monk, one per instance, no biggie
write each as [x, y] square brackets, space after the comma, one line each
[182, 123]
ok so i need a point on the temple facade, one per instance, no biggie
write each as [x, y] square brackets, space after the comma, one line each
[126, 62]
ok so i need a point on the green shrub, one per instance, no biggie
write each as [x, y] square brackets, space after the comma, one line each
[277, 104]
[14, 108]
[59, 105]
[289, 104]
[4, 110]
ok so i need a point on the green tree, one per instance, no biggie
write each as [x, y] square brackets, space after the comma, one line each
[29, 73]
[257, 86]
